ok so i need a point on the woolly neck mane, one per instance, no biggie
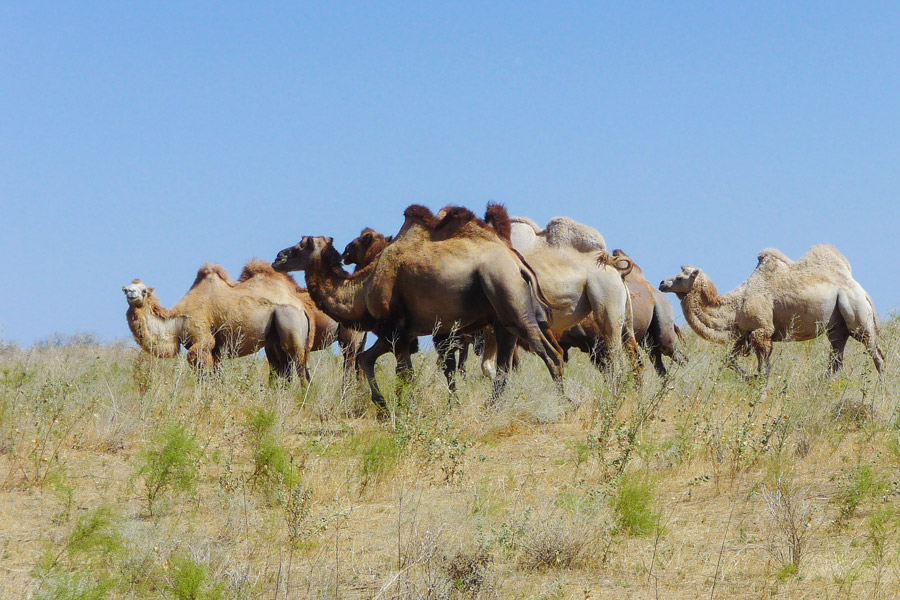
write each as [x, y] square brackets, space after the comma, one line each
[323, 281]
[331, 260]
[712, 316]
[706, 290]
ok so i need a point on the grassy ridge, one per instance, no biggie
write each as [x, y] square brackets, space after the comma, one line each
[122, 476]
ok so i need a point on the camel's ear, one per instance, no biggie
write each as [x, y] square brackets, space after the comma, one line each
[330, 241]
[123, 288]
[150, 290]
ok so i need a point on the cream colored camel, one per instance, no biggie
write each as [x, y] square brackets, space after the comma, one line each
[220, 317]
[438, 276]
[580, 279]
[654, 325]
[782, 300]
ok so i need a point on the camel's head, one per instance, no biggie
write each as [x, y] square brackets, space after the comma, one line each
[364, 249]
[682, 283]
[136, 293]
[303, 254]
[355, 251]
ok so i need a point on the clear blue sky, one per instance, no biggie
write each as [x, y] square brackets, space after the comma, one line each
[144, 139]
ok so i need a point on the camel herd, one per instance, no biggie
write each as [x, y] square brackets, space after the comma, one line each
[501, 280]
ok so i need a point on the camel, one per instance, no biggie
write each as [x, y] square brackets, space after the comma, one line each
[440, 275]
[782, 300]
[654, 325]
[219, 316]
[580, 278]
[452, 349]
[162, 332]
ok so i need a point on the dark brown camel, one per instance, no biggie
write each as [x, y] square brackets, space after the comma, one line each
[440, 275]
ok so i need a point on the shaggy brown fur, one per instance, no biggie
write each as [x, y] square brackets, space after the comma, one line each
[497, 217]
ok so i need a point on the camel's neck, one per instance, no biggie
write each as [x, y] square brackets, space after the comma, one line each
[338, 294]
[712, 316]
[155, 330]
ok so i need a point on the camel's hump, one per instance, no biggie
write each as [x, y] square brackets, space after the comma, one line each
[256, 267]
[211, 270]
[563, 231]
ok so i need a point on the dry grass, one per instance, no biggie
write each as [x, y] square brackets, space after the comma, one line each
[702, 485]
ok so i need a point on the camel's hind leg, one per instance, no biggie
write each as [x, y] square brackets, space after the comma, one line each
[506, 343]
[837, 336]
[288, 341]
[859, 315]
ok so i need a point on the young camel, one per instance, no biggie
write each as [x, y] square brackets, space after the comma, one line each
[439, 276]
[782, 300]
[654, 325]
[221, 317]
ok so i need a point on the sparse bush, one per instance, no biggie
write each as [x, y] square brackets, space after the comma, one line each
[273, 464]
[862, 483]
[469, 572]
[553, 544]
[169, 464]
[790, 515]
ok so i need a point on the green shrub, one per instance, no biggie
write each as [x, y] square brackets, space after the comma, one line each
[380, 456]
[191, 581]
[170, 464]
[272, 462]
[633, 506]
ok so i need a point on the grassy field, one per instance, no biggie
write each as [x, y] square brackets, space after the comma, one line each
[122, 476]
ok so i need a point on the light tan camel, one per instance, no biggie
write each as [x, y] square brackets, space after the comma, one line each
[162, 331]
[782, 300]
[438, 276]
[653, 319]
[580, 278]
[220, 317]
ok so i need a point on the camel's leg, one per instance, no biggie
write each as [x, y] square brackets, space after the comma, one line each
[351, 343]
[403, 351]
[870, 340]
[761, 342]
[464, 342]
[505, 342]
[200, 354]
[614, 321]
[489, 354]
[859, 315]
[445, 344]
[366, 361]
[658, 344]
[741, 347]
[837, 336]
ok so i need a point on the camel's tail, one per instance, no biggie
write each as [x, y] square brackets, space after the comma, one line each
[678, 333]
[531, 278]
[621, 263]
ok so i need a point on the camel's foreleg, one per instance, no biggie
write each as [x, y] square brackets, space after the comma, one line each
[200, 354]
[761, 342]
[367, 360]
